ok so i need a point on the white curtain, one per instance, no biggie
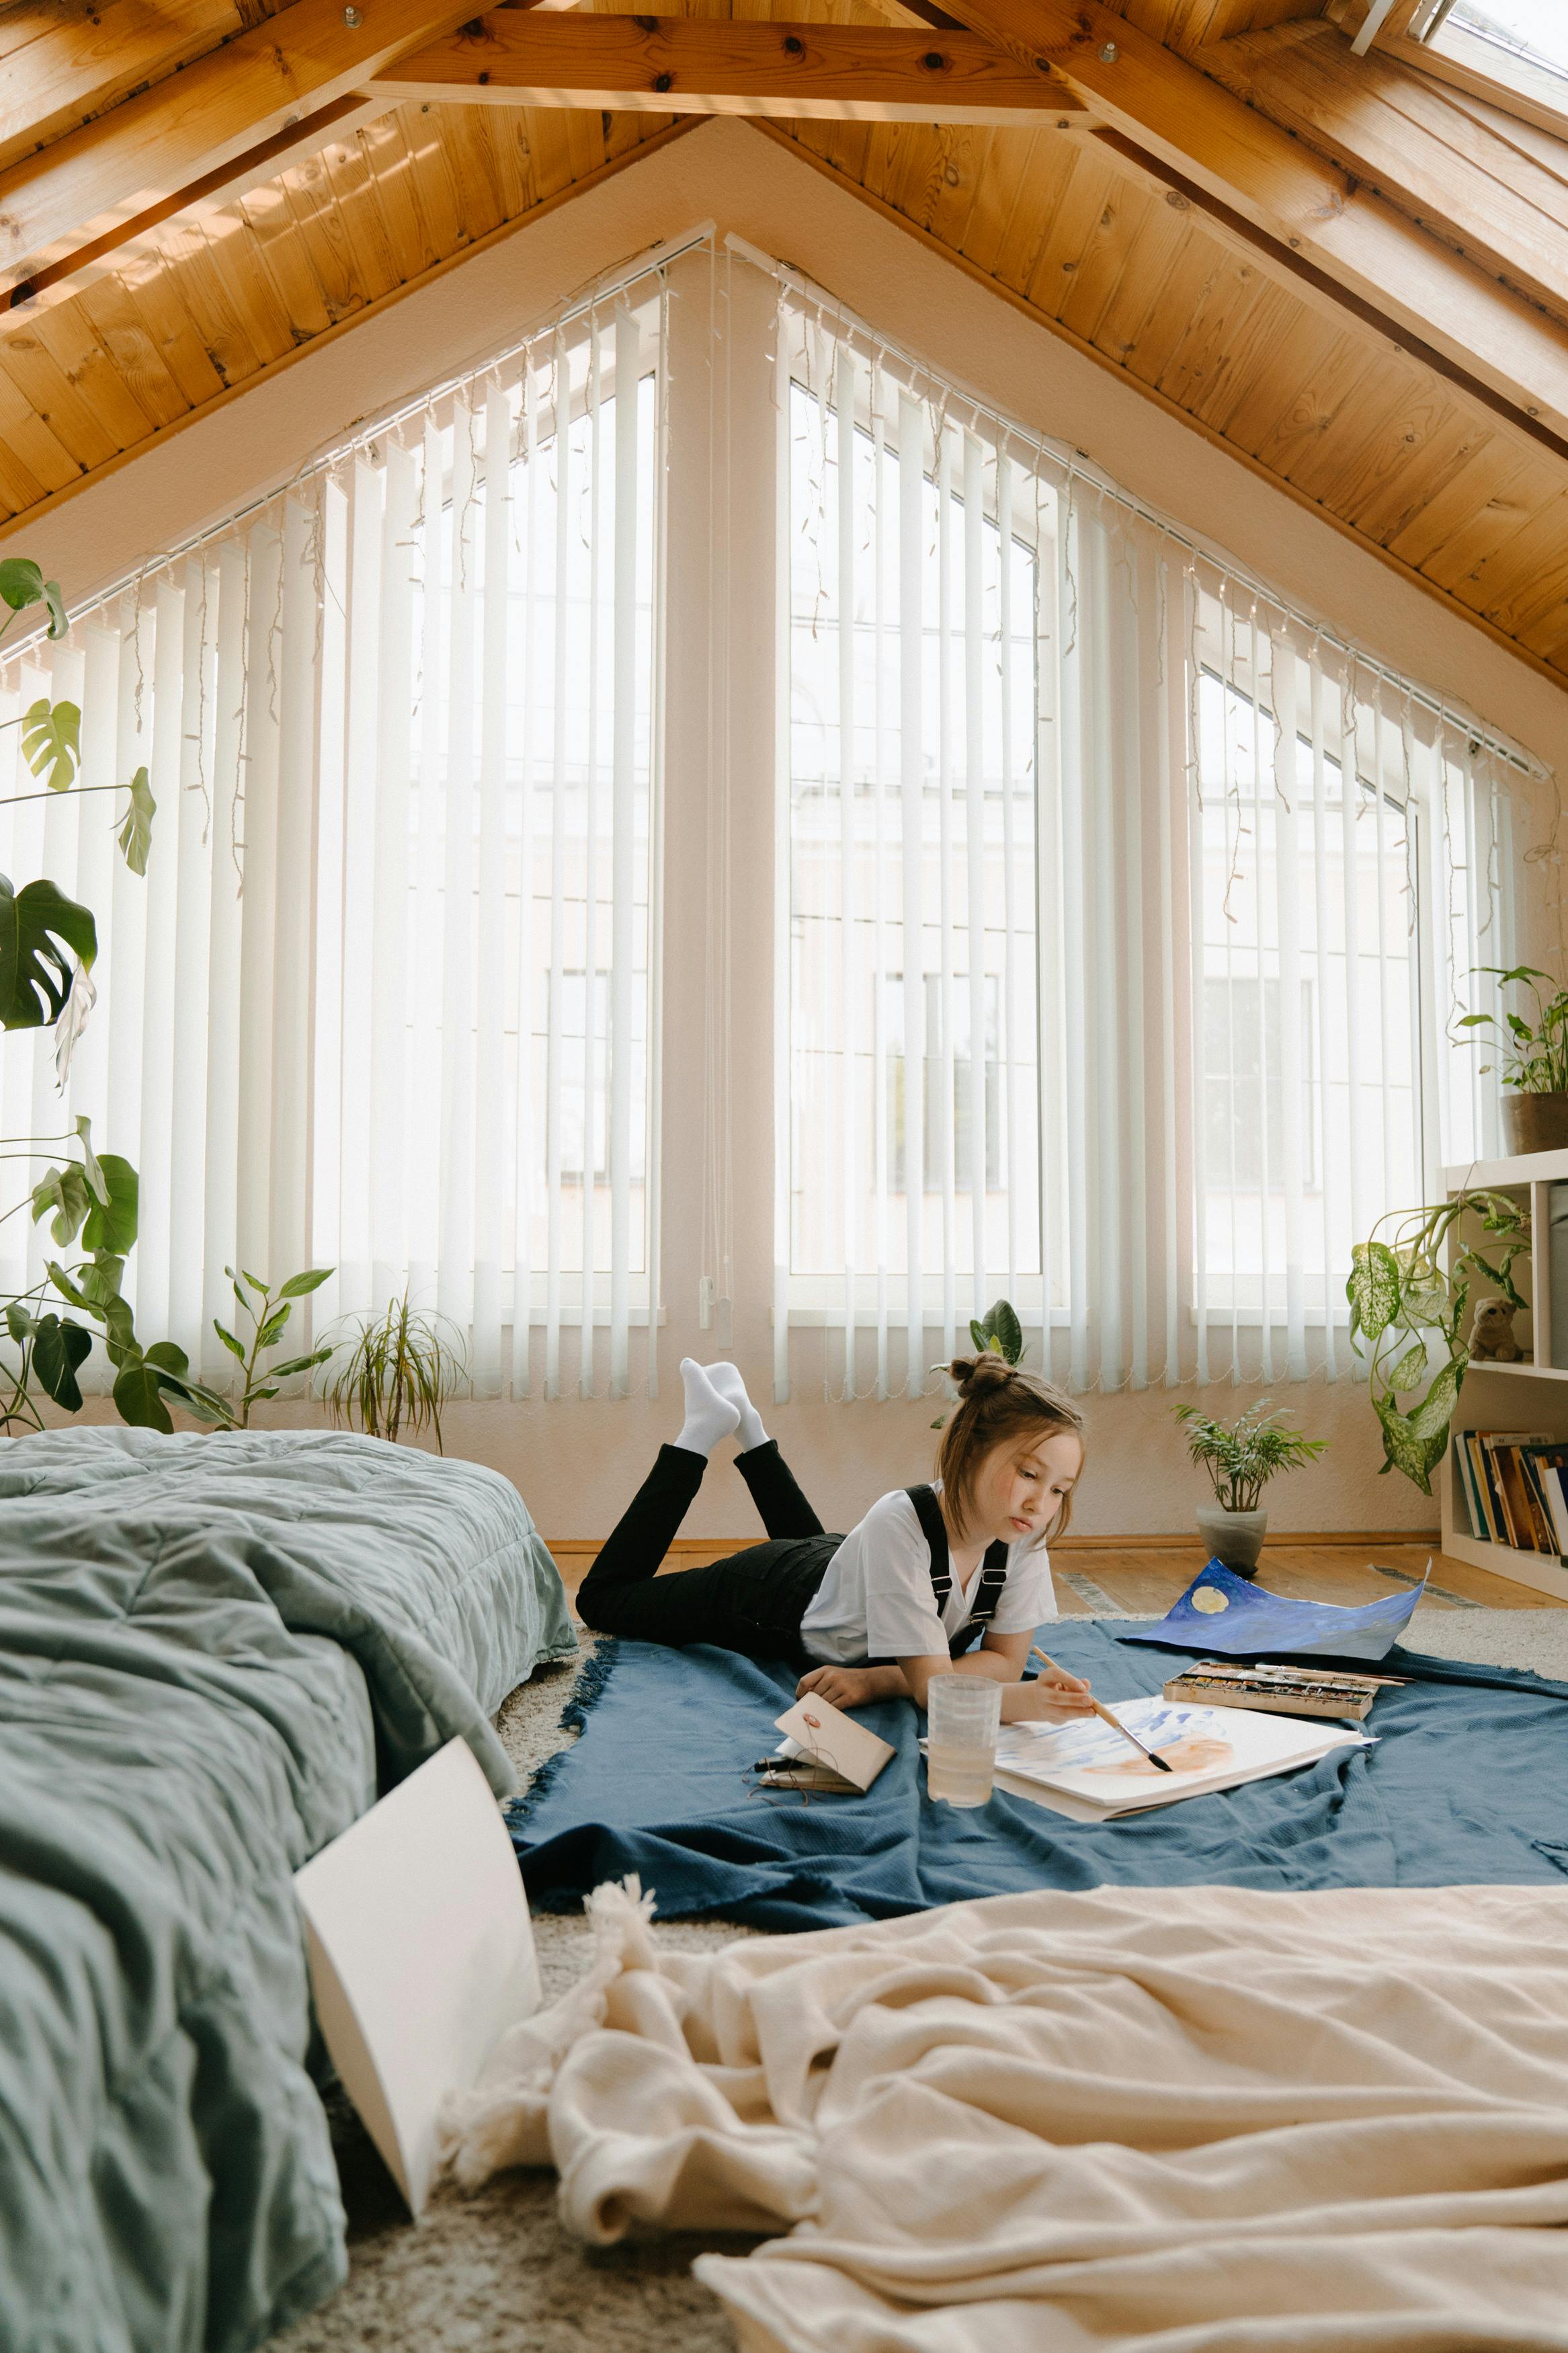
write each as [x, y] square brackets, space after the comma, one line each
[1102, 988]
[382, 1000]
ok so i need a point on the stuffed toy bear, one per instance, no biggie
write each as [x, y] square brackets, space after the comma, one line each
[1492, 1334]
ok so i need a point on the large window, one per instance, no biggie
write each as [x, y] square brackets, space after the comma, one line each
[1311, 1010]
[1028, 904]
[921, 562]
[384, 1001]
[1128, 916]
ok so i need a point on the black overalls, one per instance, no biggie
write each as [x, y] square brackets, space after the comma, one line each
[754, 1600]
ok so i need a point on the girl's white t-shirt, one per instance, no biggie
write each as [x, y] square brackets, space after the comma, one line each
[876, 1599]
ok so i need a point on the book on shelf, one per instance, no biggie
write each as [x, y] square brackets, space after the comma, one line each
[1548, 1466]
[1508, 1487]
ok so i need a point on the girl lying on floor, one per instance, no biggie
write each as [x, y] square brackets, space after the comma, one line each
[875, 1614]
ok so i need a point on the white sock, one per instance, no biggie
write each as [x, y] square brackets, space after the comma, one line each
[725, 1379]
[709, 1416]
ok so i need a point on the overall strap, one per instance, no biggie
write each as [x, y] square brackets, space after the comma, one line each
[993, 1572]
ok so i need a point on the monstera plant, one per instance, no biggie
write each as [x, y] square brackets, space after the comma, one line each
[48, 944]
[1409, 1289]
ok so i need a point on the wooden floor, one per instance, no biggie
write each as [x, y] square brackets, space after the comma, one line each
[1146, 1576]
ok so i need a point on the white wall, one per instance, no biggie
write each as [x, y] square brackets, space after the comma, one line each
[577, 1463]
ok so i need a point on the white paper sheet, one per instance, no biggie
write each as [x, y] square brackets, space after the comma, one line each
[1097, 1775]
[421, 1953]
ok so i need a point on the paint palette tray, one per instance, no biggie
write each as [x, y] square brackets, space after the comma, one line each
[1278, 1690]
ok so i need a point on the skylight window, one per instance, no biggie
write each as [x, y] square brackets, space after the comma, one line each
[1523, 45]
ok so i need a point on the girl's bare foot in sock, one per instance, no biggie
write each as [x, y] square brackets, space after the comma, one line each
[709, 1416]
[725, 1379]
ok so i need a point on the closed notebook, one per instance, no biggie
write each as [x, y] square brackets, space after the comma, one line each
[844, 1750]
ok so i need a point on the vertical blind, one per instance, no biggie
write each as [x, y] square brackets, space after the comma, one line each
[1128, 916]
[1123, 917]
[382, 1001]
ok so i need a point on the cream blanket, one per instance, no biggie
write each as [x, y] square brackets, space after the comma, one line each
[1172, 2120]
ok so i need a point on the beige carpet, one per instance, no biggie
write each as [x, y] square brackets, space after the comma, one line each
[494, 2272]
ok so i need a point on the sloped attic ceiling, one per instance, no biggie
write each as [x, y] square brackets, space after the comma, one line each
[1136, 218]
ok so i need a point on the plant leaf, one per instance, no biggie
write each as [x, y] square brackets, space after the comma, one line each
[19, 1323]
[101, 1282]
[1408, 1371]
[112, 1222]
[58, 1347]
[96, 1184]
[139, 1397]
[67, 1288]
[1374, 1287]
[135, 836]
[298, 1365]
[78, 1004]
[168, 1358]
[51, 741]
[65, 1191]
[229, 1342]
[38, 924]
[298, 1284]
[978, 1335]
[1003, 1323]
[254, 1397]
[269, 1335]
[22, 584]
[204, 1403]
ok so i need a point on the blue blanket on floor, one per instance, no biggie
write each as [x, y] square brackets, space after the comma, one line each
[1465, 1785]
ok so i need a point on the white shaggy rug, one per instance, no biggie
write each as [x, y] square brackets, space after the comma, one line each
[494, 2272]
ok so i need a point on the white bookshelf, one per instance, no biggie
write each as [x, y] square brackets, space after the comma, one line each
[1531, 1394]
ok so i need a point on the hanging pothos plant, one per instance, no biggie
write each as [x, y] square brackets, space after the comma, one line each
[1409, 1289]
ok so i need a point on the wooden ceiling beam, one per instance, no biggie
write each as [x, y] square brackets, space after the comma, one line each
[57, 281]
[1174, 112]
[1324, 293]
[149, 147]
[1408, 140]
[62, 62]
[695, 65]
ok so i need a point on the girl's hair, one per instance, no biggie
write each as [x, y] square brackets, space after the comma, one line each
[999, 1404]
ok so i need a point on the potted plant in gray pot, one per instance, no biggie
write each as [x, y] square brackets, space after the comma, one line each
[1240, 1457]
[1532, 1060]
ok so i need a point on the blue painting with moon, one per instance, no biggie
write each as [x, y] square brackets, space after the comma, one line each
[1225, 1615]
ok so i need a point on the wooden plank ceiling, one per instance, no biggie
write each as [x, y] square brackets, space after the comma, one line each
[1400, 445]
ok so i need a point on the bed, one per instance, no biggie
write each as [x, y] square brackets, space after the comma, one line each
[215, 1651]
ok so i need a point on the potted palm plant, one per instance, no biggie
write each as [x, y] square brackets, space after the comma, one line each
[1532, 1059]
[1240, 1457]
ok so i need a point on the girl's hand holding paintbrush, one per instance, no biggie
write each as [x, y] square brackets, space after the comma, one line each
[1053, 1697]
[1052, 1680]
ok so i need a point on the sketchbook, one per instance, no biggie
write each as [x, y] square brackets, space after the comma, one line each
[835, 1756]
[1085, 1771]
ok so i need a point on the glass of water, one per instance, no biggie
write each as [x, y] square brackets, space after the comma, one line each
[962, 1715]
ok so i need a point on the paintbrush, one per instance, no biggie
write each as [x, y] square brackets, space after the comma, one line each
[1105, 1717]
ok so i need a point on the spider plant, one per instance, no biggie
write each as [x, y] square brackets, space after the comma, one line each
[399, 1370]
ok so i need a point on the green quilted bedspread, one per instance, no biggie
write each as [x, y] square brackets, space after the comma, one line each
[214, 1652]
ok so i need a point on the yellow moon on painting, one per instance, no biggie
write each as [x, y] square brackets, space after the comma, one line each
[1210, 1601]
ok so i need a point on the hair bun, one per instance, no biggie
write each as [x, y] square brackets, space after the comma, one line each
[971, 1375]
